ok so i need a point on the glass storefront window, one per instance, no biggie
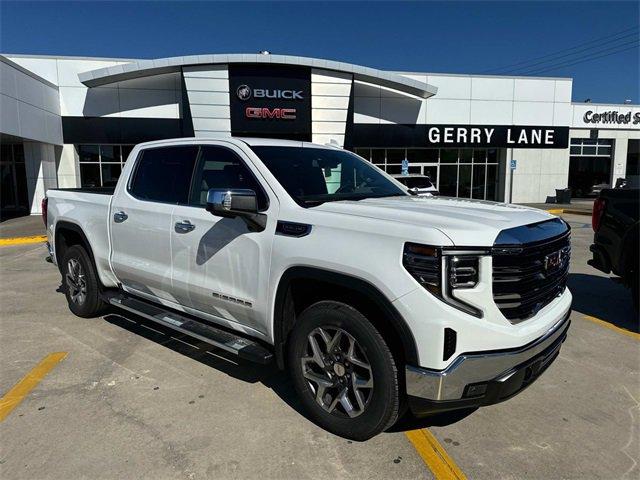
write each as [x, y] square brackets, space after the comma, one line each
[431, 171]
[101, 165]
[479, 156]
[421, 155]
[465, 173]
[464, 181]
[90, 175]
[110, 153]
[449, 180]
[110, 174]
[465, 155]
[449, 155]
[377, 156]
[395, 155]
[364, 153]
[126, 150]
[479, 182]
[492, 182]
[88, 153]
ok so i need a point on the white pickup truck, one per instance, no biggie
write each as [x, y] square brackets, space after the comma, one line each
[373, 299]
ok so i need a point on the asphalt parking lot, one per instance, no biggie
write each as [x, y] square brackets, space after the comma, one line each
[133, 400]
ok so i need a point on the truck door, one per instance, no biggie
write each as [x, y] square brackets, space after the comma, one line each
[219, 266]
[141, 219]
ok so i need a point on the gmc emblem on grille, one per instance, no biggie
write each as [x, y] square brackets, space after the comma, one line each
[554, 261]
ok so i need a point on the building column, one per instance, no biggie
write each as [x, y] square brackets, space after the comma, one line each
[67, 166]
[619, 159]
[330, 95]
[40, 166]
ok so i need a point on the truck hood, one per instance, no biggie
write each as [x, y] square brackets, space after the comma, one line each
[465, 222]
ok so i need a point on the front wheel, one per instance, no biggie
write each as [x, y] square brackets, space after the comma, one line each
[343, 371]
[80, 283]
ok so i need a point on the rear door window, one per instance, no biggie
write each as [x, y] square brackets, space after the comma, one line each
[164, 174]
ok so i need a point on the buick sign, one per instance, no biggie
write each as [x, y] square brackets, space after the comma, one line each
[270, 100]
[243, 92]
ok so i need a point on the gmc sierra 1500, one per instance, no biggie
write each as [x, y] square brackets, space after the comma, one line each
[372, 298]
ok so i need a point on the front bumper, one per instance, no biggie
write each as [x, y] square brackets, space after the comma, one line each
[483, 378]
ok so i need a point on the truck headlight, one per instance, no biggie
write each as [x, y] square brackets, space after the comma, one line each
[442, 271]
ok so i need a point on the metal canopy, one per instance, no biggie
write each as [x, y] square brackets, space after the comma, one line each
[145, 68]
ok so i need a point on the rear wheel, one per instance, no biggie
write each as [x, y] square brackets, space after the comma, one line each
[343, 371]
[80, 283]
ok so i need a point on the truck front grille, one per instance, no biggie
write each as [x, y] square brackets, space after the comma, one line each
[528, 276]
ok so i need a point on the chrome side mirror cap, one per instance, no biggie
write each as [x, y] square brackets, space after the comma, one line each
[232, 203]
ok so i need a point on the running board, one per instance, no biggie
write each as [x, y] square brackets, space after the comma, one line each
[240, 346]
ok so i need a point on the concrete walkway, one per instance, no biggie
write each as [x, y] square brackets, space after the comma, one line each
[22, 227]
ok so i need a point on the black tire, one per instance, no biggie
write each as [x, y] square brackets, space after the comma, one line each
[380, 411]
[76, 280]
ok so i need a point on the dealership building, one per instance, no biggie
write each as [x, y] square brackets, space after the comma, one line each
[71, 122]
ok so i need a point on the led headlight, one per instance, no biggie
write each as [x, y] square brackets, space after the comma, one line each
[442, 271]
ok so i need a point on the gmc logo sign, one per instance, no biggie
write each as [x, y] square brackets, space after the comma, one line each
[265, 113]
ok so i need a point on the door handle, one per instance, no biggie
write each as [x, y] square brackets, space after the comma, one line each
[184, 226]
[120, 217]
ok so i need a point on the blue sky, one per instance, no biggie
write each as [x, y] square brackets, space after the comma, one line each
[451, 37]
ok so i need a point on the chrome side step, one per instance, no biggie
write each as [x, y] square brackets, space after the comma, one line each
[242, 347]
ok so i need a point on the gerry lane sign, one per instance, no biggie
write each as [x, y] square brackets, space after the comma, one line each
[471, 136]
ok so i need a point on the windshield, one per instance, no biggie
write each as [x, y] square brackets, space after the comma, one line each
[316, 175]
[415, 182]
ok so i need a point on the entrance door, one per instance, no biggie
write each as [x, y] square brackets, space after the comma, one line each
[589, 165]
[13, 190]
[220, 267]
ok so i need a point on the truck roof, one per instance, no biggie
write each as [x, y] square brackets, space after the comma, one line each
[251, 141]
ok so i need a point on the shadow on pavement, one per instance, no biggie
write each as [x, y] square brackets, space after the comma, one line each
[202, 352]
[268, 375]
[603, 298]
[409, 422]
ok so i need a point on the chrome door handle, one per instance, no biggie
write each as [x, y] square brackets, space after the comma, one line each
[120, 217]
[184, 226]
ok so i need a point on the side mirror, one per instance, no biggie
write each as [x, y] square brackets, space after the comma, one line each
[232, 203]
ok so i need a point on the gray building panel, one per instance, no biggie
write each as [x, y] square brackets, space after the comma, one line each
[29, 105]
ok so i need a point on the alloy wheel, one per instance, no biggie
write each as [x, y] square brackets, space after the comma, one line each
[337, 372]
[76, 282]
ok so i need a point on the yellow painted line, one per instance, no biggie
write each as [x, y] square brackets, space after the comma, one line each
[434, 455]
[5, 242]
[21, 389]
[613, 327]
[560, 211]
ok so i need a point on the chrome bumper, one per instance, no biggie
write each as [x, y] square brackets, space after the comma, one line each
[488, 377]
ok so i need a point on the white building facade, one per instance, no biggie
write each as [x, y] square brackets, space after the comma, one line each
[71, 122]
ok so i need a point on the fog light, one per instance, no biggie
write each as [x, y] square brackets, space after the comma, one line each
[475, 390]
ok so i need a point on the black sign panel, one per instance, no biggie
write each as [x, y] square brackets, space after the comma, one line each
[270, 101]
[469, 136]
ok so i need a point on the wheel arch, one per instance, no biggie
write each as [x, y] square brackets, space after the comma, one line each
[350, 290]
[66, 235]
